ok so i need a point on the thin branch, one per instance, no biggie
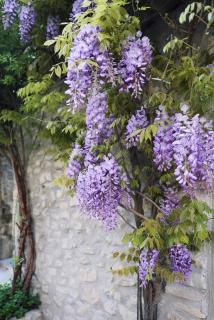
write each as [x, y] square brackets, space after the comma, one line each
[136, 213]
[126, 221]
[150, 200]
[201, 19]
[161, 80]
[22, 146]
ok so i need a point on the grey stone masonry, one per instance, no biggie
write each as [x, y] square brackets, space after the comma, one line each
[74, 261]
[74, 255]
[193, 300]
[6, 200]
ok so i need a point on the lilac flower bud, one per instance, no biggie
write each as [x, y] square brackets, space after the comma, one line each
[189, 151]
[163, 152]
[148, 261]
[97, 123]
[143, 268]
[52, 28]
[136, 56]
[9, 12]
[186, 144]
[180, 260]
[170, 201]
[99, 191]
[136, 122]
[82, 76]
[78, 8]
[27, 20]
[75, 162]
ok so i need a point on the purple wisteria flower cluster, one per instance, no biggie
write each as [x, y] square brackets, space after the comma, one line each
[97, 124]
[180, 260]
[209, 148]
[136, 122]
[75, 162]
[78, 8]
[98, 181]
[88, 66]
[136, 57]
[148, 261]
[9, 12]
[52, 28]
[27, 20]
[170, 201]
[187, 148]
[99, 191]
[163, 141]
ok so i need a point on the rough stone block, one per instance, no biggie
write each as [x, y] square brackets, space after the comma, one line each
[88, 275]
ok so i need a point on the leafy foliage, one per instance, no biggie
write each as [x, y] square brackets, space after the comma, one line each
[16, 305]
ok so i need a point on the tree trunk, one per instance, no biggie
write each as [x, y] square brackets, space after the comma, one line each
[152, 292]
[26, 239]
[151, 296]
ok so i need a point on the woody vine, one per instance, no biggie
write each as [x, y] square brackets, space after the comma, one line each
[141, 129]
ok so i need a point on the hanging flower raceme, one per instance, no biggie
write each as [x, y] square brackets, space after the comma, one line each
[180, 260]
[189, 151]
[209, 148]
[186, 144]
[27, 20]
[136, 57]
[75, 162]
[88, 65]
[136, 122]
[99, 191]
[96, 111]
[163, 152]
[9, 12]
[52, 28]
[148, 261]
[170, 201]
[97, 124]
[78, 8]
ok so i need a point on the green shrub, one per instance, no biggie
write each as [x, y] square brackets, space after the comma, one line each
[17, 304]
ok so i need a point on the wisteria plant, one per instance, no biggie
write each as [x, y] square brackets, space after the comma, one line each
[144, 145]
[142, 135]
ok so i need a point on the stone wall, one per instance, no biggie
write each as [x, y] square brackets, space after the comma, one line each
[74, 260]
[193, 301]
[74, 255]
[6, 201]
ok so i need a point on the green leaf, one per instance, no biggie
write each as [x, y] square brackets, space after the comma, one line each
[122, 256]
[115, 254]
[49, 42]
[191, 16]
[58, 71]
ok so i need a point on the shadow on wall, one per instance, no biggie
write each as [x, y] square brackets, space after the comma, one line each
[6, 246]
